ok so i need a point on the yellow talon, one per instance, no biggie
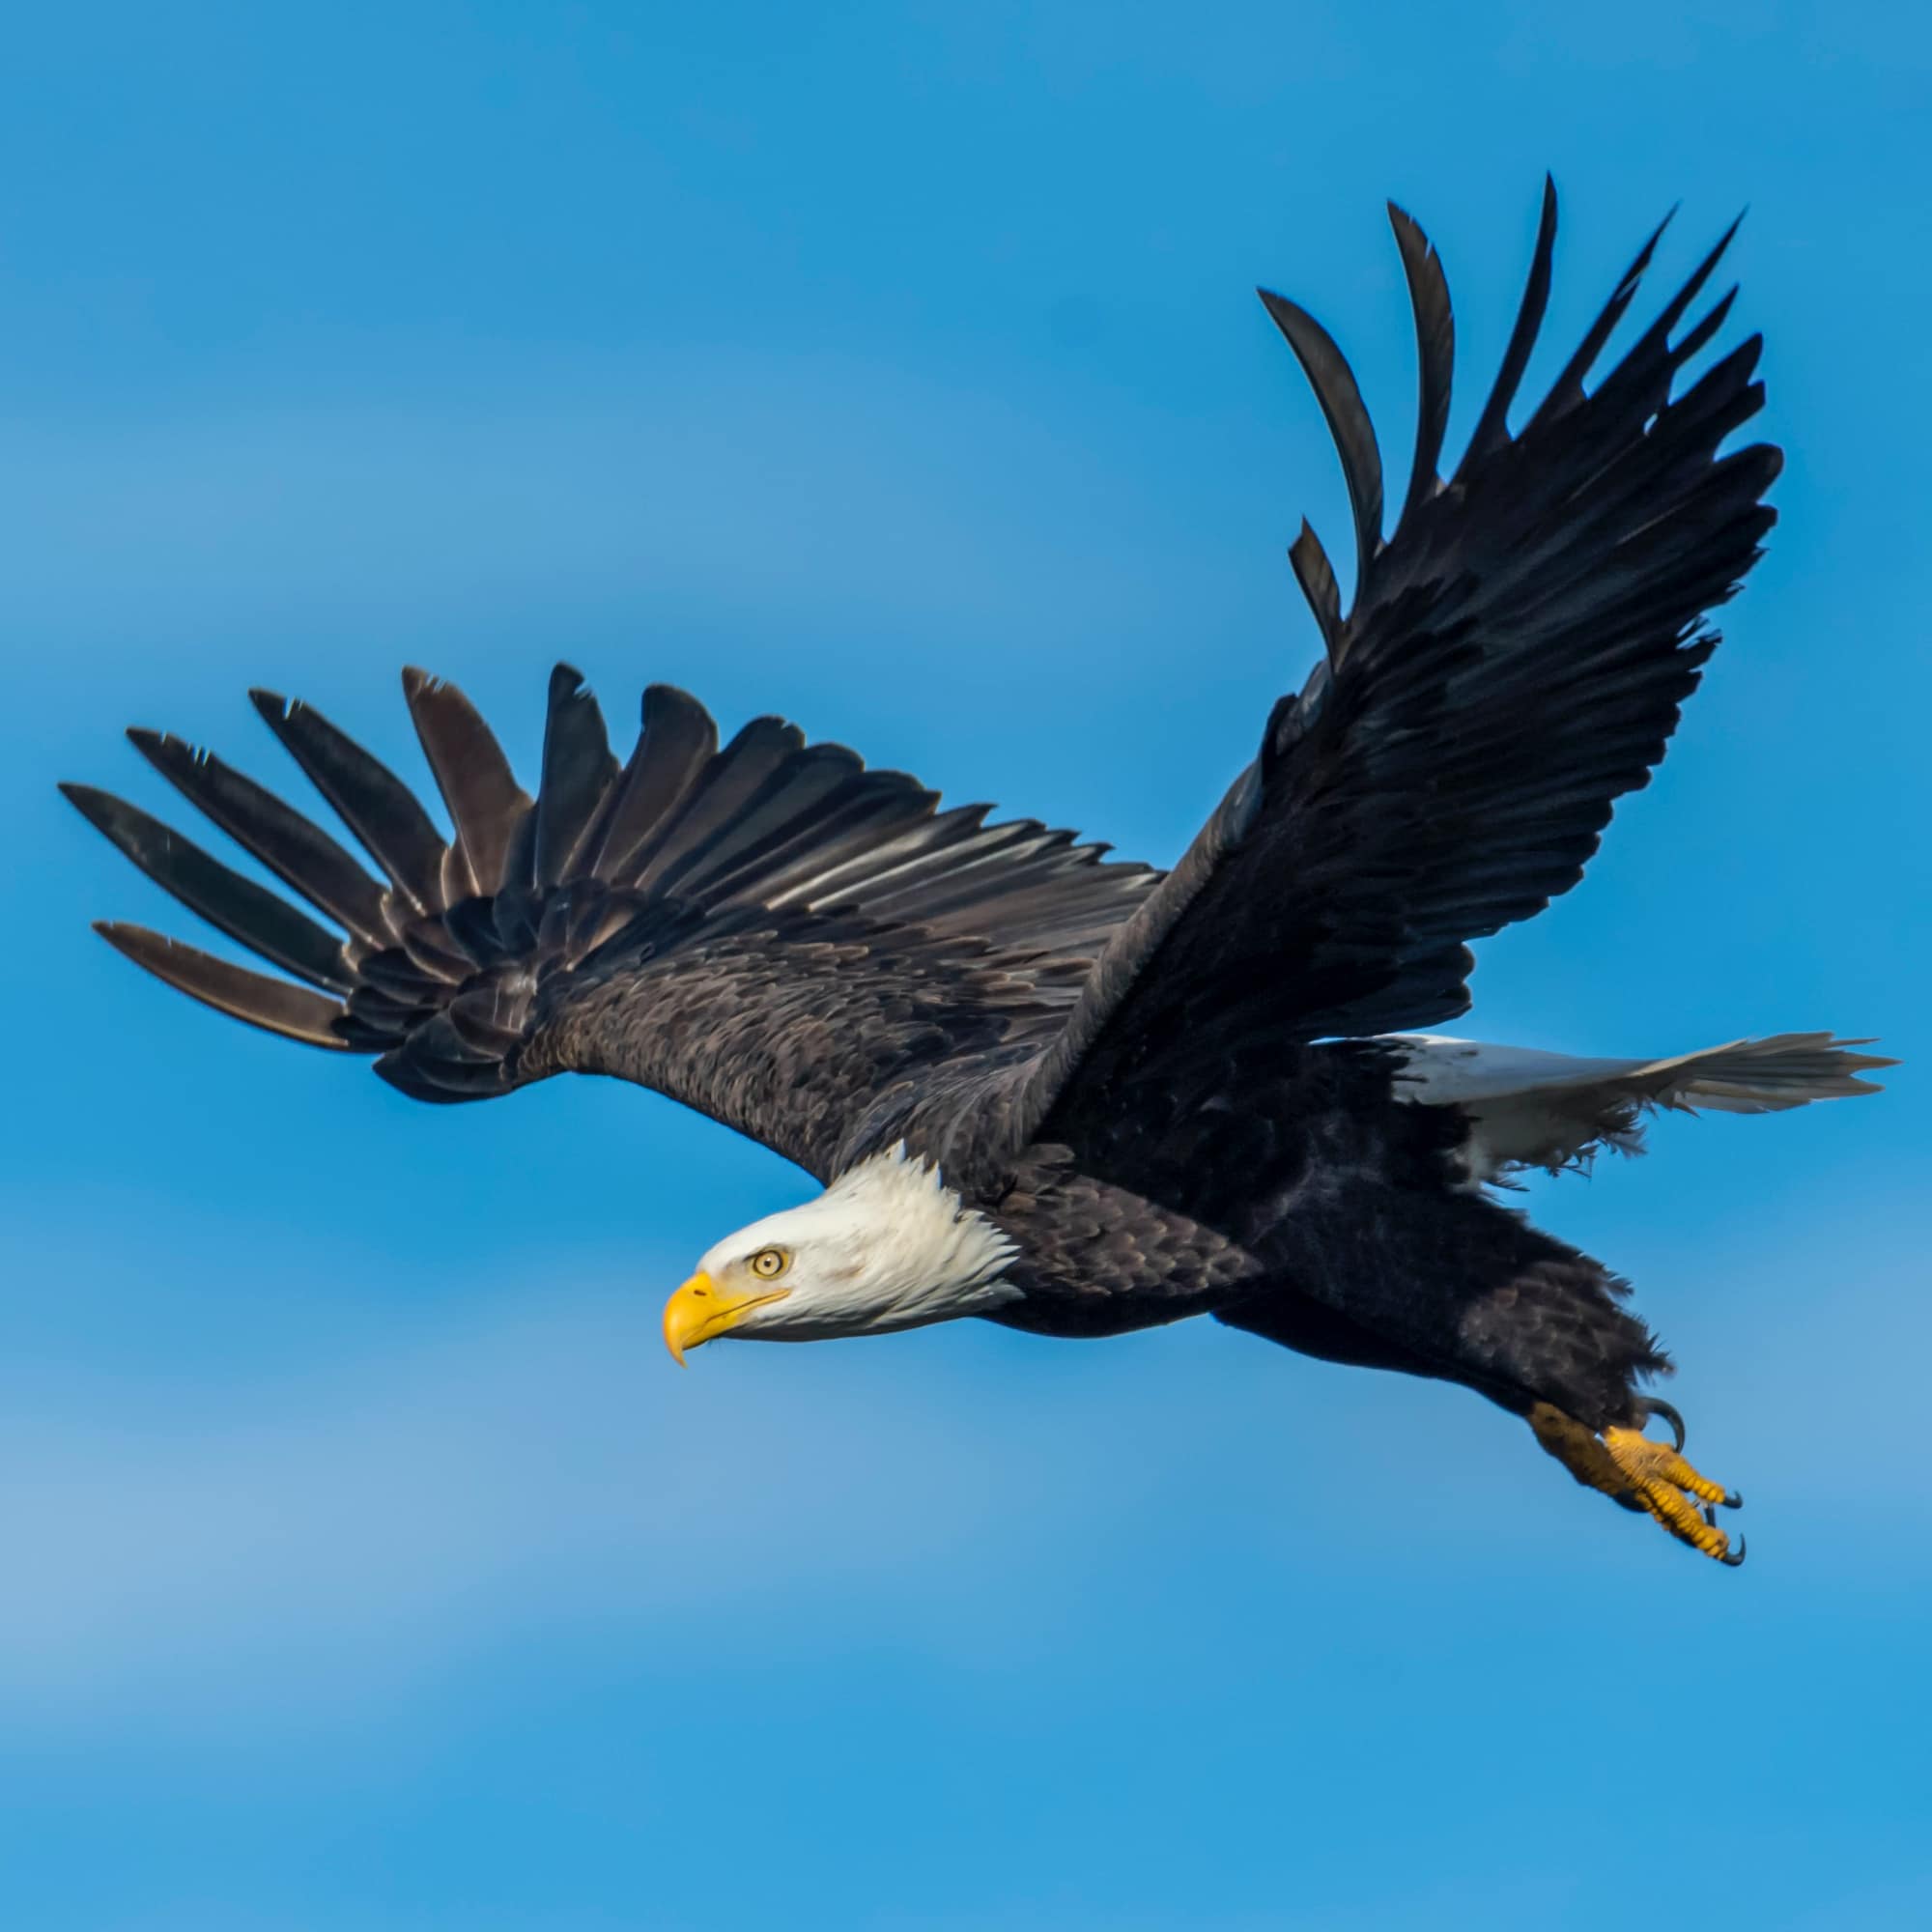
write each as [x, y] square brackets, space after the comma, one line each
[1641, 1473]
[1645, 1461]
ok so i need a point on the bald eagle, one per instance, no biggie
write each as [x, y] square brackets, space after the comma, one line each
[1075, 1095]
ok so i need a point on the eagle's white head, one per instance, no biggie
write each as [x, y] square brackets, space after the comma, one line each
[888, 1245]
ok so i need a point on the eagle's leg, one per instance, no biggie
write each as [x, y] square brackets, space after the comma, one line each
[1642, 1473]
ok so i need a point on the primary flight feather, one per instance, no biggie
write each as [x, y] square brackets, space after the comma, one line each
[1075, 1096]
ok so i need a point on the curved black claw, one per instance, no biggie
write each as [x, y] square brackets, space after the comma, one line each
[1734, 1500]
[1655, 1404]
[1731, 1559]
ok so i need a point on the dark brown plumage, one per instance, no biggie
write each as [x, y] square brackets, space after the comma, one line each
[1169, 1091]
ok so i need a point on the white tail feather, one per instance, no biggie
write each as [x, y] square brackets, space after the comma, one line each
[1766, 1076]
[1550, 1110]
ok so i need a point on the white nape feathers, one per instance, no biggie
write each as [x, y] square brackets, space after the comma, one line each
[887, 1246]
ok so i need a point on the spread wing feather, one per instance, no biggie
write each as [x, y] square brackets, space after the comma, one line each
[1434, 354]
[388, 822]
[769, 931]
[289, 1011]
[1513, 663]
[261, 920]
[297, 851]
[479, 790]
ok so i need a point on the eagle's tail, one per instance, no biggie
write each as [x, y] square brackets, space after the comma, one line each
[1550, 1110]
[1763, 1077]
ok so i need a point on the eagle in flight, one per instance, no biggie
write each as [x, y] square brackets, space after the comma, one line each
[1075, 1095]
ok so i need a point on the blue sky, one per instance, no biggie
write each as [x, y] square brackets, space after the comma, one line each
[369, 1566]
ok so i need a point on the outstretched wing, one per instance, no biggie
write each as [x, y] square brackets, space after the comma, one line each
[769, 932]
[1513, 663]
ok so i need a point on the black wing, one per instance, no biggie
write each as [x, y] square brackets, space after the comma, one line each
[1513, 663]
[769, 932]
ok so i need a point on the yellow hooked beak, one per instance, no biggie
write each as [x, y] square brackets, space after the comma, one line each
[700, 1312]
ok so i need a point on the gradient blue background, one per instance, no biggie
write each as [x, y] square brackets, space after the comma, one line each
[366, 1563]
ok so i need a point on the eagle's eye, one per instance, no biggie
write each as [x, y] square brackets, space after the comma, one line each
[768, 1264]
